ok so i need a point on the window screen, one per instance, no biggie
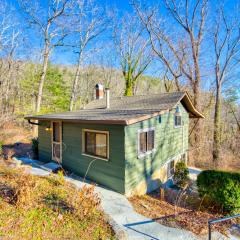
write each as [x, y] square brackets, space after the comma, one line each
[178, 120]
[56, 131]
[143, 142]
[150, 139]
[146, 141]
[101, 145]
[96, 144]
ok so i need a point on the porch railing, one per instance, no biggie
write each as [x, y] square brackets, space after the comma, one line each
[210, 222]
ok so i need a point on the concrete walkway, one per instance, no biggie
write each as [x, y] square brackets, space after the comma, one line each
[125, 221]
[128, 224]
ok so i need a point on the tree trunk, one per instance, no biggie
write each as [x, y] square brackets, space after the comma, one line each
[42, 78]
[217, 125]
[196, 91]
[75, 83]
[40, 87]
[196, 103]
[128, 87]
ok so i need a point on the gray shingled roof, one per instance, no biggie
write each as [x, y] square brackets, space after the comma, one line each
[123, 110]
[156, 102]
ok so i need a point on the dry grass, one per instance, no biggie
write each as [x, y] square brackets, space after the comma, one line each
[33, 207]
[11, 133]
[167, 214]
[229, 160]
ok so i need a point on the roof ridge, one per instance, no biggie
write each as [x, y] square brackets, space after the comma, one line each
[143, 95]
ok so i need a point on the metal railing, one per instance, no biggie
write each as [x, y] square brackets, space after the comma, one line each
[210, 222]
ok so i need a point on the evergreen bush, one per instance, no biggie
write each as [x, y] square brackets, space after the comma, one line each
[181, 174]
[221, 187]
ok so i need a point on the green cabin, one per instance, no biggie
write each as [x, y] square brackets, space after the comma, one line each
[128, 144]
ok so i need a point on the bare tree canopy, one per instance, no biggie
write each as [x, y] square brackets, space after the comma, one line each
[88, 22]
[226, 41]
[133, 49]
[50, 22]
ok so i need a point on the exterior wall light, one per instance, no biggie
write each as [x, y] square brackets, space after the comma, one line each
[48, 129]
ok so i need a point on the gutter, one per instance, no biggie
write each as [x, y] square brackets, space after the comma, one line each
[113, 122]
[33, 123]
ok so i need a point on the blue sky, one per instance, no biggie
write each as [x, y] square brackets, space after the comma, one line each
[61, 55]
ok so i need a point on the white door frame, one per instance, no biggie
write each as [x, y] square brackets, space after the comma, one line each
[58, 160]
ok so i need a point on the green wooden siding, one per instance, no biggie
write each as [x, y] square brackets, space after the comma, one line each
[109, 173]
[44, 138]
[170, 141]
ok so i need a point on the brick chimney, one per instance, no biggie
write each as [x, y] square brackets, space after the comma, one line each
[99, 91]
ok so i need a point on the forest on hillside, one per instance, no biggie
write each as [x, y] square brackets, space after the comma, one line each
[53, 53]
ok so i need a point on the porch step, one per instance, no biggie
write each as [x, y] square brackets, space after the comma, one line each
[51, 167]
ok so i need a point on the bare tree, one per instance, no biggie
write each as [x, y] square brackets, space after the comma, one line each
[226, 59]
[178, 48]
[9, 41]
[88, 23]
[50, 23]
[133, 49]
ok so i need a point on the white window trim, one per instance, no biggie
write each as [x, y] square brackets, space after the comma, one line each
[142, 155]
[83, 144]
[58, 160]
[178, 126]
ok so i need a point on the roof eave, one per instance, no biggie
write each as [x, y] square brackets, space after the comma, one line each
[194, 112]
[112, 122]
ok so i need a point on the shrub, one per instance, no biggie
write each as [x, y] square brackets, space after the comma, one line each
[181, 173]
[35, 147]
[223, 188]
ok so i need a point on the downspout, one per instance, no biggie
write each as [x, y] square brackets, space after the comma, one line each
[182, 137]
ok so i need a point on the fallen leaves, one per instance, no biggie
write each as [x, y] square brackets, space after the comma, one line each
[169, 215]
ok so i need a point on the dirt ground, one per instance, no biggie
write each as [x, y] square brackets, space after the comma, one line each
[167, 214]
[16, 141]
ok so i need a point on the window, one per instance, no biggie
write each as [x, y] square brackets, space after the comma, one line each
[177, 121]
[146, 141]
[95, 143]
[170, 169]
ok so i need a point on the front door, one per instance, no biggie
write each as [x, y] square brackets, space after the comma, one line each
[57, 142]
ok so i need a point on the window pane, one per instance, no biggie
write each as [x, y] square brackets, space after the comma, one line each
[56, 150]
[175, 120]
[101, 145]
[178, 120]
[56, 132]
[143, 142]
[150, 140]
[90, 143]
[160, 119]
[170, 168]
